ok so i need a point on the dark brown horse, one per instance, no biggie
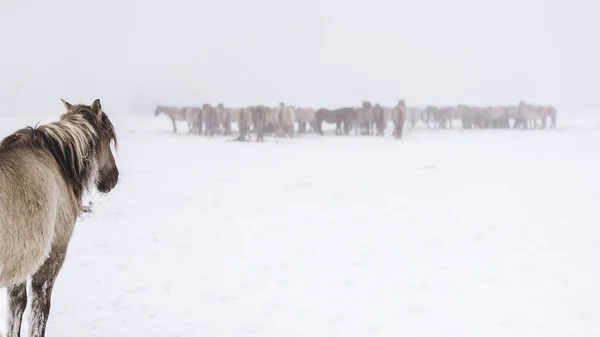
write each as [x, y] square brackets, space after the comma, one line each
[338, 117]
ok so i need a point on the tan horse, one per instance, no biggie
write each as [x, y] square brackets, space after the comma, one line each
[44, 171]
[210, 118]
[398, 118]
[224, 118]
[304, 117]
[193, 117]
[174, 113]
[366, 118]
[285, 116]
[259, 120]
[243, 116]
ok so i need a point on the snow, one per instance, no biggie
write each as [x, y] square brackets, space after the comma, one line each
[444, 233]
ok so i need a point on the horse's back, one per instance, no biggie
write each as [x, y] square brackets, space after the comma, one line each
[32, 202]
[336, 115]
[192, 114]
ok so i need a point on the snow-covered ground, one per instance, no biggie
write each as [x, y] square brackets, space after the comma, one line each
[445, 233]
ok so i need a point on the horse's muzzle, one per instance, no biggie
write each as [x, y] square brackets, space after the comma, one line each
[107, 182]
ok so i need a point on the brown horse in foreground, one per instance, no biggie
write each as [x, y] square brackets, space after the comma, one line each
[44, 171]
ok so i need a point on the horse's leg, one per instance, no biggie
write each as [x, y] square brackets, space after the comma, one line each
[174, 126]
[229, 128]
[17, 302]
[544, 122]
[42, 284]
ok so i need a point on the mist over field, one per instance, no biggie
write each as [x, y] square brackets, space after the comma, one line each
[136, 54]
[428, 168]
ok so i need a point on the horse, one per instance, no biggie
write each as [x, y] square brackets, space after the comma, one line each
[365, 118]
[468, 116]
[337, 116]
[210, 118]
[259, 120]
[428, 113]
[399, 117]
[174, 113]
[412, 115]
[244, 120]
[531, 113]
[44, 171]
[444, 116]
[304, 117]
[285, 116]
[193, 117]
[224, 118]
[512, 112]
[379, 119]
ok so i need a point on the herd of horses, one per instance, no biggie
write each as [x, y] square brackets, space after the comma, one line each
[366, 119]
[44, 171]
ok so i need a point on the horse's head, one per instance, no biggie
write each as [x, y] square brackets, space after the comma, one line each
[158, 110]
[108, 173]
[401, 103]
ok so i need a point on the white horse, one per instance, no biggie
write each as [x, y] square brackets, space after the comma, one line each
[174, 113]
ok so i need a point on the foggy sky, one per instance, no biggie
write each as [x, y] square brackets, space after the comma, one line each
[134, 54]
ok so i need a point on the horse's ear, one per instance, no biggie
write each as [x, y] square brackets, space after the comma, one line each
[97, 108]
[66, 104]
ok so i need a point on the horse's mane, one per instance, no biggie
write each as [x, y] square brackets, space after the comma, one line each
[72, 141]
